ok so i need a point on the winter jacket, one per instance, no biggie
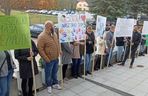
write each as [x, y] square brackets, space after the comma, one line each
[48, 46]
[25, 68]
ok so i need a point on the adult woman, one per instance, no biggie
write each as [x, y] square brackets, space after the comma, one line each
[25, 69]
[6, 71]
[90, 41]
[66, 57]
[75, 59]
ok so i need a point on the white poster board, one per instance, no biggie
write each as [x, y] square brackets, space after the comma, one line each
[71, 27]
[100, 26]
[145, 28]
[124, 27]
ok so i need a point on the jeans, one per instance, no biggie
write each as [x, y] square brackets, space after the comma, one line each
[5, 83]
[120, 50]
[76, 66]
[88, 62]
[142, 47]
[109, 56]
[51, 70]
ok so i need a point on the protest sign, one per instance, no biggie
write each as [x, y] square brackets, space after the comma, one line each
[14, 32]
[145, 28]
[124, 27]
[71, 27]
[100, 26]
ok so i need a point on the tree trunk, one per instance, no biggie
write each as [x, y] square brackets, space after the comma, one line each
[7, 7]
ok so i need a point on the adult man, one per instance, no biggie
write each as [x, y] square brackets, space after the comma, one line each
[49, 50]
[109, 39]
[136, 38]
[120, 48]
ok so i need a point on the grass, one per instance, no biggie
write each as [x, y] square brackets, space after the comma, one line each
[36, 18]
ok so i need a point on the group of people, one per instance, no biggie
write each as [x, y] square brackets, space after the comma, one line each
[50, 49]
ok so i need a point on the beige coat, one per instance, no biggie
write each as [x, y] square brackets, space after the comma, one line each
[48, 46]
[75, 51]
[100, 46]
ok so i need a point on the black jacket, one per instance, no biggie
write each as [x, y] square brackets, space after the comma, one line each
[136, 39]
[119, 41]
[90, 43]
[25, 68]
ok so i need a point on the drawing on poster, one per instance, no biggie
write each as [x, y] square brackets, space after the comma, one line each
[100, 26]
[71, 27]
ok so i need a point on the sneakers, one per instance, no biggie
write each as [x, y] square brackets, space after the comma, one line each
[49, 89]
[57, 86]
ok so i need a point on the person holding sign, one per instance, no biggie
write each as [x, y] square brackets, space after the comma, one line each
[109, 40]
[6, 72]
[136, 39]
[100, 53]
[25, 68]
[75, 58]
[120, 48]
[66, 57]
[49, 49]
[90, 41]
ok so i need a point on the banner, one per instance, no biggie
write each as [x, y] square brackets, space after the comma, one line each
[100, 26]
[71, 27]
[145, 28]
[14, 32]
[124, 27]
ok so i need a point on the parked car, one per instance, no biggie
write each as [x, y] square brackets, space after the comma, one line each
[55, 13]
[28, 11]
[36, 29]
[43, 11]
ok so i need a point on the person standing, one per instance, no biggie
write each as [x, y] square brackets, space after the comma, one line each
[25, 68]
[49, 49]
[66, 57]
[90, 41]
[120, 48]
[136, 39]
[109, 41]
[100, 53]
[6, 72]
[142, 46]
[75, 59]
